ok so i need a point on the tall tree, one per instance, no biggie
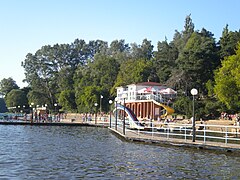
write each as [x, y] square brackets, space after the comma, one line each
[119, 50]
[143, 51]
[228, 42]
[164, 61]
[200, 52]
[95, 79]
[16, 97]
[133, 71]
[6, 85]
[178, 78]
[181, 38]
[227, 79]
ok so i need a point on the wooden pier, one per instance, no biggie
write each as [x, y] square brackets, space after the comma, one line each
[134, 136]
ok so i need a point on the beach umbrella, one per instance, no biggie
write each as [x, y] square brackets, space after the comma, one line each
[167, 91]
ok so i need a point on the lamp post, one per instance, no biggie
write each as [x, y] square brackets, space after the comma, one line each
[110, 121]
[46, 108]
[23, 109]
[32, 104]
[55, 105]
[46, 112]
[194, 92]
[124, 96]
[116, 100]
[96, 104]
[101, 96]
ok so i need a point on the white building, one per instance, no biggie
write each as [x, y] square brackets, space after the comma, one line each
[147, 99]
[145, 91]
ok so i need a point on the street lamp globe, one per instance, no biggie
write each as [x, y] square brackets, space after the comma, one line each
[194, 92]
[124, 96]
[110, 101]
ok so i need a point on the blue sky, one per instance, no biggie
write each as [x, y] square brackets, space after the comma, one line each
[27, 25]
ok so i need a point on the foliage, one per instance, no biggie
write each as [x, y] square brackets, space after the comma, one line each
[164, 61]
[15, 98]
[200, 52]
[93, 80]
[67, 100]
[133, 71]
[6, 85]
[227, 80]
[228, 42]
[183, 106]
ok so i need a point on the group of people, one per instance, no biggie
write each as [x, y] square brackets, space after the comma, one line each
[227, 116]
[44, 117]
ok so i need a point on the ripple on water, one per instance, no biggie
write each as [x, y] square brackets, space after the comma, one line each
[31, 152]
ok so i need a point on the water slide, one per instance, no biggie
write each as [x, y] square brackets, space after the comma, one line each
[133, 121]
[168, 109]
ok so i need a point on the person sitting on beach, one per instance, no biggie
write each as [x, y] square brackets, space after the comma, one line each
[201, 127]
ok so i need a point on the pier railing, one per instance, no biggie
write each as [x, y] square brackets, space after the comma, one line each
[183, 132]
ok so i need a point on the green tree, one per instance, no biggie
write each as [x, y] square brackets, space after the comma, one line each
[87, 98]
[183, 106]
[227, 81]
[67, 100]
[164, 61]
[94, 79]
[228, 42]
[178, 78]
[199, 52]
[6, 85]
[133, 71]
[15, 98]
[119, 50]
[143, 51]
[181, 38]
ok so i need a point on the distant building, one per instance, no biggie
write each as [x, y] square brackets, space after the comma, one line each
[148, 100]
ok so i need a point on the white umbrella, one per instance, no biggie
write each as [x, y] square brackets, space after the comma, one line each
[167, 91]
[150, 89]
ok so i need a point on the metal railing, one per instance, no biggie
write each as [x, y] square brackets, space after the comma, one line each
[183, 132]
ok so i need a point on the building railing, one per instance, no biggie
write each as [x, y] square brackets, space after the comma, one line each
[157, 98]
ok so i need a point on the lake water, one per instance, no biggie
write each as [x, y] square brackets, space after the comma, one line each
[45, 152]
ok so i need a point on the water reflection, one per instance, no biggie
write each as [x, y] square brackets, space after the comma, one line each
[38, 152]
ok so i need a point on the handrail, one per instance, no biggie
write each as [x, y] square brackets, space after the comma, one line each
[227, 135]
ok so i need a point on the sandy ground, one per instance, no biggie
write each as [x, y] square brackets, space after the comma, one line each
[75, 117]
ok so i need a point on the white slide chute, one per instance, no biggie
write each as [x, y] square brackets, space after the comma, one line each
[133, 121]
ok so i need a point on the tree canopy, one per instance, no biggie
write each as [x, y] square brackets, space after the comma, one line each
[227, 80]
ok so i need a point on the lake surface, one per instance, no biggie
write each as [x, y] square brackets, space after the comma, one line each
[45, 152]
